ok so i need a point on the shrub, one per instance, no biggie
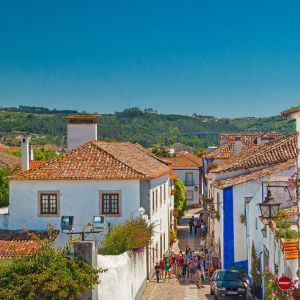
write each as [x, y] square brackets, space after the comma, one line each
[49, 273]
[130, 235]
[4, 187]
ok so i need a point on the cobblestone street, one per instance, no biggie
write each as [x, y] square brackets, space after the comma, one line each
[175, 288]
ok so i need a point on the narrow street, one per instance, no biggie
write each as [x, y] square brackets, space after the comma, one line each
[175, 288]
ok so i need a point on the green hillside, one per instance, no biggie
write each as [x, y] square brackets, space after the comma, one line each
[146, 127]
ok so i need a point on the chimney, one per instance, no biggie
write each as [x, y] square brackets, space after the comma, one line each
[237, 146]
[25, 153]
[80, 130]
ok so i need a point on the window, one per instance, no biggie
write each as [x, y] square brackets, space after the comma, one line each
[156, 199]
[189, 179]
[165, 193]
[189, 195]
[110, 204]
[48, 203]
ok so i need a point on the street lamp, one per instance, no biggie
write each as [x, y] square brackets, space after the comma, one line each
[269, 208]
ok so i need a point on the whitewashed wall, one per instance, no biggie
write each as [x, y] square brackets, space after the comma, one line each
[160, 218]
[77, 198]
[125, 278]
[196, 175]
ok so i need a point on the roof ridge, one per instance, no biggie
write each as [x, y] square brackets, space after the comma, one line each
[109, 154]
[266, 148]
[187, 155]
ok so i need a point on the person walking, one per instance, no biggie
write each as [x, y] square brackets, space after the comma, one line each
[157, 271]
[191, 224]
[162, 268]
[167, 268]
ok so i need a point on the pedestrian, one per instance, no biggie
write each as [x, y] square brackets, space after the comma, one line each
[157, 271]
[198, 278]
[184, 269]
[195, 226]
[167, 268]
[191, 224]
[192, 270]
[162, 268]
[180, 262]
[202, 272]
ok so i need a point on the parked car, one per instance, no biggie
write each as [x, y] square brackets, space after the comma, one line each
[228, 283]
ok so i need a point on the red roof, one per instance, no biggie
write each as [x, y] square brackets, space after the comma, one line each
[99, 160]
[275, 152]
[185, 160]
[15, 243]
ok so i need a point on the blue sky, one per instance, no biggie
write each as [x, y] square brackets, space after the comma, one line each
[223, 58]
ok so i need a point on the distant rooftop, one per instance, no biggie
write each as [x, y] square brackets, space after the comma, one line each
[82, 118]
[290, 111]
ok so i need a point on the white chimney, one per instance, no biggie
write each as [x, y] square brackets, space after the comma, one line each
[80, 130]
[25, 153]
[237, 146]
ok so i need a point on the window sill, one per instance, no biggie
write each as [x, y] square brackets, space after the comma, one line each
[49, 215]
[112, 215]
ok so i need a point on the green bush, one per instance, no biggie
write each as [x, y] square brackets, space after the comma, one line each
[180, 197]
[49, 273]
[130, 235]
[4, 186]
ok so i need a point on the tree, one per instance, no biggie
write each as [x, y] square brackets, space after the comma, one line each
[180, 197]
[4, 186]
[49, 273]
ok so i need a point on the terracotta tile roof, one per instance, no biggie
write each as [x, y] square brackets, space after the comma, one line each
[255, 174]
[15, 243]
[268, 154]
[9, 160]
[248, 140]
[185, 160]
[36, 163]
[290, 111]
[99, 160]
[82, 117]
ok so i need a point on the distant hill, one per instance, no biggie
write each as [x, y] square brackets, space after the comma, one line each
[146, 127]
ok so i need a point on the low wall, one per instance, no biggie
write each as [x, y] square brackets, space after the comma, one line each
[125, 278]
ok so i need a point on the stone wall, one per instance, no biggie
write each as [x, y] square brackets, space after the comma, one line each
[125, 277]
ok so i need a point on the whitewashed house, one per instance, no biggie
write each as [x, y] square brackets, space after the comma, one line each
[113, 179]
[236, 188]
[189, 169]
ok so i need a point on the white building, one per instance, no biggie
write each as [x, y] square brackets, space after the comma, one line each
[113, 179]
[189, 169]
[237, 186]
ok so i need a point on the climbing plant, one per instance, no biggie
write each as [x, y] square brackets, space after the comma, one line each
[180, 197]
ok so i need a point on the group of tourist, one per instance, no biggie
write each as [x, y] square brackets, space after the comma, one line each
[189, 265]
